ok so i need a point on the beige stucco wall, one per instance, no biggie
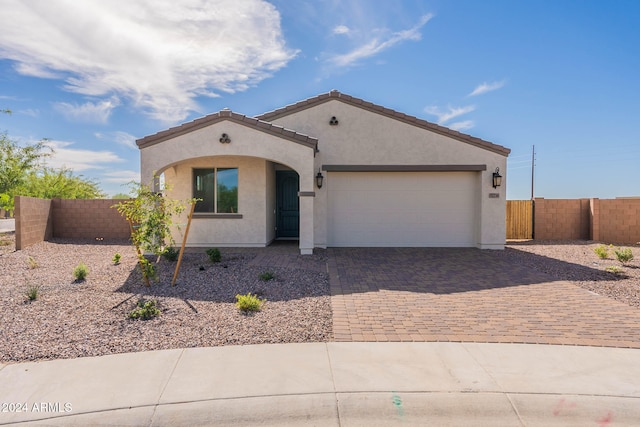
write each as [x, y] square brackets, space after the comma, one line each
[361, 138]
[253, 152]
[245, 141]
[367, 138]
[252, 203]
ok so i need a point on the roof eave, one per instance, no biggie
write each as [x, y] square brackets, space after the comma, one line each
[227, 115]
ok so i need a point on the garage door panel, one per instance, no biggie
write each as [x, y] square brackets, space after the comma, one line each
[401, 209]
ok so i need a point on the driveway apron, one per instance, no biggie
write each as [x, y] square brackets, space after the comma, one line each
[466, 295]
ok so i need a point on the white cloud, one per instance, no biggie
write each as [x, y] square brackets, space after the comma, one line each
[119, 137]
[463, 125]
[36, 70]
[98, 112]
[379, 44]
[158, 54]
[486, 87]
[32, 112]
[449, 113]
[79, 159]
[121, 177]
[341, 29]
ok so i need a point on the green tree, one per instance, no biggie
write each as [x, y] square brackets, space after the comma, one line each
[16, 161]
[151, 217]
[49, 183]
[121, 196]
[22, 172]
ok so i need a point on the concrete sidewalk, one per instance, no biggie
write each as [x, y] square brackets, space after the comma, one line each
[331, 384]
[7, 225]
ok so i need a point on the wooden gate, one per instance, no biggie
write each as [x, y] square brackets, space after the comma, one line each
[519, 219]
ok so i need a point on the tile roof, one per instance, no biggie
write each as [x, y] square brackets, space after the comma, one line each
[357, 102]
[228, 115]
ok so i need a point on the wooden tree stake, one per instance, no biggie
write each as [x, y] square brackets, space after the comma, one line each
[184, 243]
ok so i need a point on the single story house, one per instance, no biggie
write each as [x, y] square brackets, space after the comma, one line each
[331, 171]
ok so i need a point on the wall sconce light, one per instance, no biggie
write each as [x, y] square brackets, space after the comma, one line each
[224, 139]
[497, 178]
[319, 179]
[333, 121]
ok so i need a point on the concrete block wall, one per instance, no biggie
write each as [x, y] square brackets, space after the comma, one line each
[33, 221]
[619, 220]
[93, 218]
[614, 221]
[562, 219]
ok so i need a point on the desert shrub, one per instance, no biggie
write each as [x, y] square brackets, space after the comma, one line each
[267, 275]
[145, 310]
[116, 258]
[81, 271]
[624, 255]
[214, 255]
[249, 302]
[614, 269]
[32, 262]
[170, 253]
[602, 251]
[32, 292]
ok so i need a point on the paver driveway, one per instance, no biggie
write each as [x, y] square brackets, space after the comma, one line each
[454, 294]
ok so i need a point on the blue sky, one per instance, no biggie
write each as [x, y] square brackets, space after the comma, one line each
[92, 76]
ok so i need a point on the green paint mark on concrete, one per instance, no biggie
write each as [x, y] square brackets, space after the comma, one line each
[397, 402]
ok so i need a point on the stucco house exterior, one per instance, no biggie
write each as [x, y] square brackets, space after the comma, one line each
[331, 171]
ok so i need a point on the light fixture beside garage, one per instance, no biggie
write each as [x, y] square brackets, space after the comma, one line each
[319, 179]
[224, 139]
[497, 178]
[333, 121]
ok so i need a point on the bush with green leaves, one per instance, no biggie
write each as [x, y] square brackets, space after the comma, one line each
[145, 310]
[266, 276]
[602, 251]
[249, 302]
[116, 258]
[81, 271]
[151, 215]
[214, 254]
[147, 268]
[614, 269]
[170, 253]
[624, 255]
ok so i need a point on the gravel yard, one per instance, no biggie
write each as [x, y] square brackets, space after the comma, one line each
[74, 319]
[575, 261]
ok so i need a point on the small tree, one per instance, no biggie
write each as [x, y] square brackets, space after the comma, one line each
[150, 215]
[16, 162]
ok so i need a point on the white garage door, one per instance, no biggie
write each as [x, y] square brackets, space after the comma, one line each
[402, 209]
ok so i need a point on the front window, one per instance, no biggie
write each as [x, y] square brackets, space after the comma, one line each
[218, 189]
